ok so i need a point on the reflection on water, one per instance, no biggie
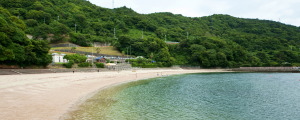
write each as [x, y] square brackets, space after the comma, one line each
[229, 96]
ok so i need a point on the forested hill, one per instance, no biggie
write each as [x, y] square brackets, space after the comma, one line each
[211, 41]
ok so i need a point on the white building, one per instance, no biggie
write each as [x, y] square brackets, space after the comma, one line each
[58, 58]
[90, 58]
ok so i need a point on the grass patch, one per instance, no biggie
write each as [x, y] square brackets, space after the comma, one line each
[103, 50]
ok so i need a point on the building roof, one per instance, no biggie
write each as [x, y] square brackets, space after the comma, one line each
[56, 54]
[90, 56]
[99, 58]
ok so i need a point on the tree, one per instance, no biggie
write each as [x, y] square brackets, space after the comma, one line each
[222, 60]
[100, 65]
[80, 39]
[98, 49]
[37, 6]
[73, 49]
[164, 57]
[6, 54]
[42, 32]
[123, 53]
[16, 48]
[238, 40]
[59, 28]
[151, 55]
[197, 48]
[40, 16]
[31, 23]
[76, 58]
[41, 49]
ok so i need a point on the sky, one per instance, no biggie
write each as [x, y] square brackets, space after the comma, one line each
[285, 11]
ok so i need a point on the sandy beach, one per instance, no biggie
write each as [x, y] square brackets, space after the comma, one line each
[50, 96]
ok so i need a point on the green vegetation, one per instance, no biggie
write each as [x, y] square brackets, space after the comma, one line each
[109, 61]
[69, 64]
[101, 50]
[211, 41]
[99, 65]
[76, 59]
[16, 48]
[85, 64]
[144, 63]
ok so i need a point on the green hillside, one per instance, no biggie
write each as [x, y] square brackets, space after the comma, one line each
[211, 41]
[16, 48]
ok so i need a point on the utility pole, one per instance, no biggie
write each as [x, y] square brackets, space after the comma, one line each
[92, 55]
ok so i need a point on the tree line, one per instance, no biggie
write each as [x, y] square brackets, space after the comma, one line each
[16, 48]
[209, 41]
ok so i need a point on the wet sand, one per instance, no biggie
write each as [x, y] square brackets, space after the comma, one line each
[50, 96]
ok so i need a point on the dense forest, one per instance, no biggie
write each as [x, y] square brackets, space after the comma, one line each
[16, 48]
[211, 41]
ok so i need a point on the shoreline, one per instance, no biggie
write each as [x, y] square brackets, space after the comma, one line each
[52, 96]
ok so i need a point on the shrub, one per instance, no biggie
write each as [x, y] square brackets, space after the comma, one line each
[144, 65]
[296, 64]
[76, 58]
[85, 64]
[100, 65]
[69, 64]
[149, 65]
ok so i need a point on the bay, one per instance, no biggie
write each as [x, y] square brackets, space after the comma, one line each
[212, 96]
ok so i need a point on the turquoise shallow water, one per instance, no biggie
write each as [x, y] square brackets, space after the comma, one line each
[214, 96]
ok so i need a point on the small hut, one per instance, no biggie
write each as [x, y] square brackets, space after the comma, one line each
[101, 60]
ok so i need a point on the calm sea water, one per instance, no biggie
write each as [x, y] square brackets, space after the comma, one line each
[214, 96]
